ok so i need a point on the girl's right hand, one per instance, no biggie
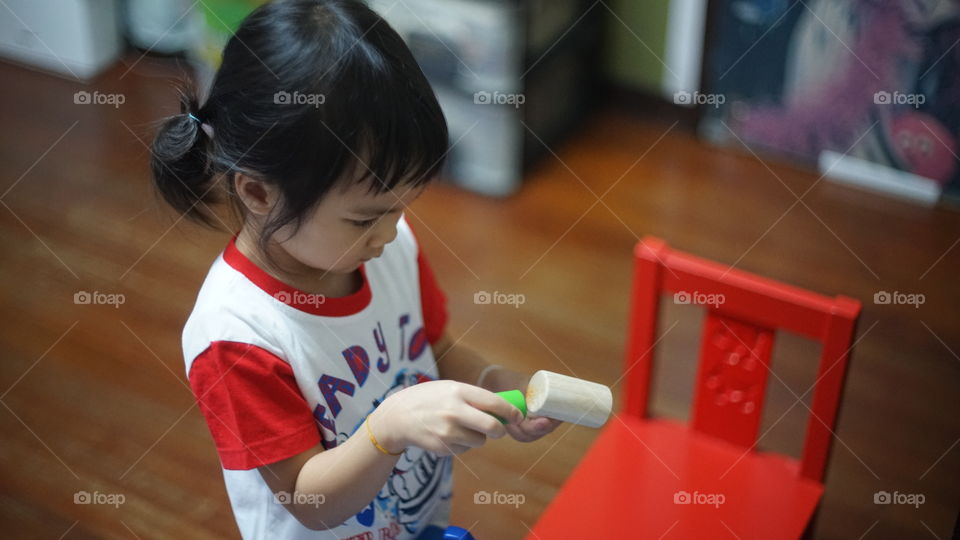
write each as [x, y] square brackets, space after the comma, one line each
[445, 417]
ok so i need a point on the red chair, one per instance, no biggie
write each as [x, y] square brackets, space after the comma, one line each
[653, 478]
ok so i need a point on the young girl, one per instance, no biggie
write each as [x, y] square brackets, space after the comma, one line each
[317, 348]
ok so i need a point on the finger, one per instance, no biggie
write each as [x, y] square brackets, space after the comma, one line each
[471, 438]
[449, 449]
[539, 425]
[458, 449]
[489, 402]
[467, 437]
[533, 428]
[519, 434]
[482, 422]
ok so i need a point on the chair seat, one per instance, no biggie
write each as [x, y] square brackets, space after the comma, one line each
[626, 485]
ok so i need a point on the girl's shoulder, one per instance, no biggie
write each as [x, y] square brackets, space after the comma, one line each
[229, 308]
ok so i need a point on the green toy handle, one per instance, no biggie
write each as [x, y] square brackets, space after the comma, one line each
[515, 398]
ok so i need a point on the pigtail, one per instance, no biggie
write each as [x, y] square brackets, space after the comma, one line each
[180, 161]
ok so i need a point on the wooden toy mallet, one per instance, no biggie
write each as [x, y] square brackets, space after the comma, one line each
[563, 398]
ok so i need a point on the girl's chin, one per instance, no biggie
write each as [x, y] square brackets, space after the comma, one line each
[346, 269]
[351, 268]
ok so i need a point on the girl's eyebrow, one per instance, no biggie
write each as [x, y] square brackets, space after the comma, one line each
[374, 211]
[379, 211]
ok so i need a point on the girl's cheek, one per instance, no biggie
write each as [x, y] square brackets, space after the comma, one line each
[348, 247]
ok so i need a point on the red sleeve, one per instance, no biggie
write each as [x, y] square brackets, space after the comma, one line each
[432, 300]
[252, 405]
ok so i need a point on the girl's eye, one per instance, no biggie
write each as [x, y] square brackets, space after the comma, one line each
[362, 224]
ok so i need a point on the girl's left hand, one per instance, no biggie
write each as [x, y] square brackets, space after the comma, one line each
[532, 428]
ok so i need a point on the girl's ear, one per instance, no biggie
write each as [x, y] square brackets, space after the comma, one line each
[258, 197]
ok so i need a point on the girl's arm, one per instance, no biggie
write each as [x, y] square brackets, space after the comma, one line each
[326, 487]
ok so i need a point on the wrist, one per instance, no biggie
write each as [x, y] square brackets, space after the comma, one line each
[486, 375]
[382, 425]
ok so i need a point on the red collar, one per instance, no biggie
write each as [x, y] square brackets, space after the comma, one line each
[309, 303]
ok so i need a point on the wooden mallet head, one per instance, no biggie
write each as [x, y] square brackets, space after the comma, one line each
[564, 398]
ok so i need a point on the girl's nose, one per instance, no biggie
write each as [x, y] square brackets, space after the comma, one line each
[384, 235]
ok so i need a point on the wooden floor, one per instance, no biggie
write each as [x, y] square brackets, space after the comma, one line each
[94, 396]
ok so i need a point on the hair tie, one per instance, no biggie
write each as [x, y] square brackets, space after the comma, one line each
[207, 128]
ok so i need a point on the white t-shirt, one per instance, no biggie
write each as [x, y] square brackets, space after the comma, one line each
[276, 370]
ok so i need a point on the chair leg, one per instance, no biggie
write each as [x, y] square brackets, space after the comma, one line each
[956, 528]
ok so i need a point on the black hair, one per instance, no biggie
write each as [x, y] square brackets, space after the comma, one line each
[309, 92]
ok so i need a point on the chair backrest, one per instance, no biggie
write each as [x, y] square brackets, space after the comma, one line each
[743, 312]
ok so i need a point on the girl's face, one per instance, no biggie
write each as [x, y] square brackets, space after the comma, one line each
[350, 226]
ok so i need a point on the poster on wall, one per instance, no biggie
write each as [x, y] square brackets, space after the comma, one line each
[875, 82]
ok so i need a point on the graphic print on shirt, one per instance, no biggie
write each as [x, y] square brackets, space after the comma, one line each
[358, 360]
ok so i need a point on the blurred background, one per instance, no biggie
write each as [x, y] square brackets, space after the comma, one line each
[813, 142]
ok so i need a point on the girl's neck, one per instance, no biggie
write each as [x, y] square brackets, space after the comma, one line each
[294, 273]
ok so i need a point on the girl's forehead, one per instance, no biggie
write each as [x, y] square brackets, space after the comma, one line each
[359, 195]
